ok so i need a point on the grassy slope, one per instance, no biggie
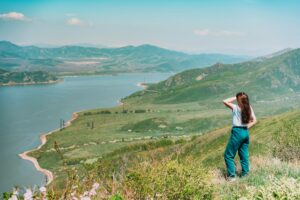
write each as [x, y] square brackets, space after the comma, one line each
[272, 138]
[188, 109]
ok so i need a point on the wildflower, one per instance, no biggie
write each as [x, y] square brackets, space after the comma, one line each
[96, 186]
[73, 197]
[43, 190]
[28, 195]
[15, 195]
[92, 192]
[86, 193]
[85, 198]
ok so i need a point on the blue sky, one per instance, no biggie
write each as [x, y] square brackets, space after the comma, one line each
[247, 27]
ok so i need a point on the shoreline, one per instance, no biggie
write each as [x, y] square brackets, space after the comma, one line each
[43, 139]
[142, 85]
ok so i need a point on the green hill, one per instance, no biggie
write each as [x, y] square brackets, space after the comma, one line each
[263, 80]
[89, 60]
[21, 78]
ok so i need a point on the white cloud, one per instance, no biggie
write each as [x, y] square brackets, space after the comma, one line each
[229, 33]
[207, 32]
[203, 32]
[74, 21]
[14, 16]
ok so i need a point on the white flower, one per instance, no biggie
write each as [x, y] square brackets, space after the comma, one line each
[73, 194]
[96, 186]
[85, 198]
[86, 193]
[92, 192]
[15, 195]
[43, 190]
[28, 195]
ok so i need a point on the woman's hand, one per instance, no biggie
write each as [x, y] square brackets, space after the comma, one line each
[228, 102]
[249, 125]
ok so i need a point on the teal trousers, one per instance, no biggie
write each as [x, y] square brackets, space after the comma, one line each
[239, 141]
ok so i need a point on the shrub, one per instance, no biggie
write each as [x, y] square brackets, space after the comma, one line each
[288, 142]
[104, 112]
[283, 188]
[140, 111]
[116, 197]
[172, 180]
[87, 113]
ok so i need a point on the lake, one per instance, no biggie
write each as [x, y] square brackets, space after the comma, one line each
[28, 111]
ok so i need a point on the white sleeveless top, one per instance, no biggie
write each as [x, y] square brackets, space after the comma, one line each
[237, 116]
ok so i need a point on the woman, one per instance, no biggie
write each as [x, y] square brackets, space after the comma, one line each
[243, 118]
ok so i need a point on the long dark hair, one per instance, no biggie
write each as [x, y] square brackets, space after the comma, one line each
[246, 110]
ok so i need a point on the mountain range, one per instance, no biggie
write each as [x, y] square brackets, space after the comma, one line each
[91, 60]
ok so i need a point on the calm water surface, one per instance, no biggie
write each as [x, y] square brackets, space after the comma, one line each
[29, 111]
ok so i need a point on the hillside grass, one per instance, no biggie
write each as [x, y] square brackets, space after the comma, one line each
[191, 131]
[206, 153]
[141, 169]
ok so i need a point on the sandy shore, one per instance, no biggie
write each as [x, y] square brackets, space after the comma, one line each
[43, 139]
[120, 103]
[141, 85]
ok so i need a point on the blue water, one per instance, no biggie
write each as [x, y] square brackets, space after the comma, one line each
[29, 111]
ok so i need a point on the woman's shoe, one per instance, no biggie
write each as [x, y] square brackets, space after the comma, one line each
[231, 179]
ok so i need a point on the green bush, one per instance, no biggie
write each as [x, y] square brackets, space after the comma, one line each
[116, 197]
[140, 111]
[287, 142]
[87, 113]
[283, 188]
[104, 112]
[172, 180]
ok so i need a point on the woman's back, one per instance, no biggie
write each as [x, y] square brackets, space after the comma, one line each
[237, 116]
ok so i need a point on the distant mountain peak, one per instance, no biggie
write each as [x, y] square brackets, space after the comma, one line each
[277, 53]
[7, 43]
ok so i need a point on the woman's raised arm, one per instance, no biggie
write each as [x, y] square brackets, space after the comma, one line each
[228, 102]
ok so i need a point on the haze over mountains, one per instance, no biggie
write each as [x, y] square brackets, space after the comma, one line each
[90, 60]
